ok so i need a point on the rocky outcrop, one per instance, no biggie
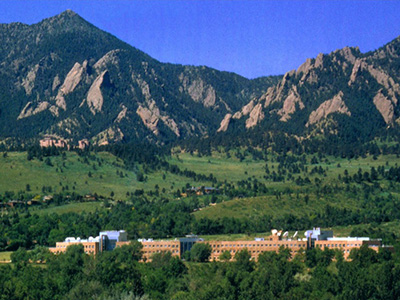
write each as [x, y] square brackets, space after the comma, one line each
[151, 98]
[319, 61]
[256, 115]
[29, 82]
[383, 78]
[171, 124]
[109, 58]
[198, 90]
[245, 110]
[225, 123]
[73, 78]
[122, 114]
[334, 105]
[56, 83]
[95, 97]
[68, 125]
[385, 107]
[379, 75]
[290, 103]
[305, 67]
[277, 93]
[111, 134]
[391, 86]
[30, 109]
[71, 81]
[347, 53]
[144, 86]
[151, 115]
[358, 66]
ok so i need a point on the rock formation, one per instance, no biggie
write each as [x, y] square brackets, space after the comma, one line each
[334, 105]
[95, 97]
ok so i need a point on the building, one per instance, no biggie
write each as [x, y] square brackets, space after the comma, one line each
[177, 246]
[257, 246]
[203, 190]
[150, 247]
[109, 239]
[315, 238]
[51, 142]
[325, 240]
[106, 241]
[90, 245]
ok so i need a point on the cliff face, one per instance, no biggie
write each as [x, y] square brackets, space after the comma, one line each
[343, 86]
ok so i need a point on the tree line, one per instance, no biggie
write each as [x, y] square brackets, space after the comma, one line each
[118, 274]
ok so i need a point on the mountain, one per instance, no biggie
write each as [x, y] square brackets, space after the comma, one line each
[345, 93]
[67, 78]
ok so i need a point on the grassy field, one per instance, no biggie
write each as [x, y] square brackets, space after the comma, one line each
[101, 174]
[5, 256]
[75, 175]
[76, 207]
[270, 205]
[294, 203]
[223, 168]
[233, 170]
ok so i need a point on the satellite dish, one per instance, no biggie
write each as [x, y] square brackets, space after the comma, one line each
[279, 233]
[286, 233]
[274, 231]
[295, 234]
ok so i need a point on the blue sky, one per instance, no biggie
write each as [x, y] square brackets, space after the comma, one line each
[252, 38]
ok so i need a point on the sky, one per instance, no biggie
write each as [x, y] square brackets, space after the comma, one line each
[252, 38]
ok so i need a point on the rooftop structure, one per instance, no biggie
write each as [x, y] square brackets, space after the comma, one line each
[109, 239]
[105, 241]
[318, 234]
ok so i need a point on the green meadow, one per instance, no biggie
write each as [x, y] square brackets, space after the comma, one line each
[102, 174]
[232, 169]
[75, 207]
[293, 204]
[106, 175]
[5, 256]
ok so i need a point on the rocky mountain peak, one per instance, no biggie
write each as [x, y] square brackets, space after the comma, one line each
[66, 16]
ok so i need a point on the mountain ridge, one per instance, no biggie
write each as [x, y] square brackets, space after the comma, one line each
[65, 77]
[82, 82]
[322, 88]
